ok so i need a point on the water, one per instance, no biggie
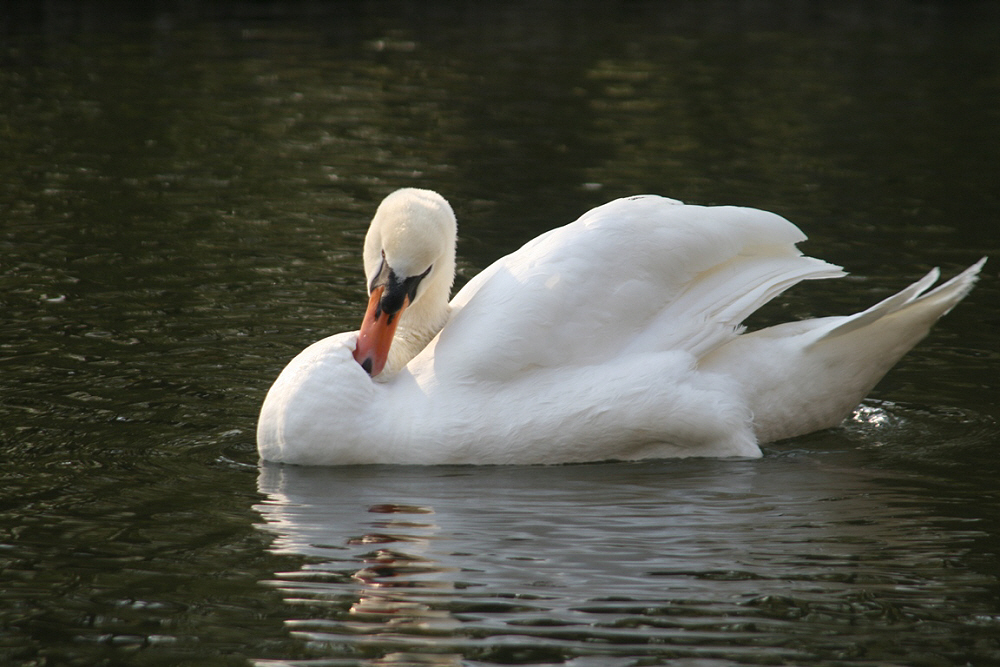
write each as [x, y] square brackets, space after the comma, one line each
[791, 560]
[183, 192]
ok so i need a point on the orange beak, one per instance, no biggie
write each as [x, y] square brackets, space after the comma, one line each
[375, 336]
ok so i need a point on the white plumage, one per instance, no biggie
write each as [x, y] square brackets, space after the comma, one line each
[617, 336]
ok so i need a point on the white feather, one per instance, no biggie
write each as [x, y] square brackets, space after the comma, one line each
[617, 336]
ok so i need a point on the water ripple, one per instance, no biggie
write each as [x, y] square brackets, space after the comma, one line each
[781, 561]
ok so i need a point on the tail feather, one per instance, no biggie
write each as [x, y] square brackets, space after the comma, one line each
[958, 287]
[937, 303]
[804, 376]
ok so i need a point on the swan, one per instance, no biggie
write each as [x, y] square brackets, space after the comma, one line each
[616, 337]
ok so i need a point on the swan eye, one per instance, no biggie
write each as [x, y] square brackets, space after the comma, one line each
[413, 282]
[396, 292]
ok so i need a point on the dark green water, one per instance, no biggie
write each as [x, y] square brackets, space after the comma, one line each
[183, 194]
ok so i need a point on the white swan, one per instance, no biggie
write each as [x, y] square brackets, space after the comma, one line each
[617, 336]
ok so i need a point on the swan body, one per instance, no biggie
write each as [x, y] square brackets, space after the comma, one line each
[617, 336]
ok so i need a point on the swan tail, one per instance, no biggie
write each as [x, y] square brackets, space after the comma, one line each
[924, 305]
[800, 377]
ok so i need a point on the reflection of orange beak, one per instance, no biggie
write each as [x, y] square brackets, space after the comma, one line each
[375, 336]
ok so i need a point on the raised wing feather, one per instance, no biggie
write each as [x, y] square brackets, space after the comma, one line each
[636, 275]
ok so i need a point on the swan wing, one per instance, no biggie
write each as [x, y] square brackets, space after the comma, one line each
[635, 276]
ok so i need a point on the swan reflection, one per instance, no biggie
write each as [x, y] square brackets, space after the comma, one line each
[414, 565]
[370, 563]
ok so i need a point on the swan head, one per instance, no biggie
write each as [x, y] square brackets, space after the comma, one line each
[409, 258]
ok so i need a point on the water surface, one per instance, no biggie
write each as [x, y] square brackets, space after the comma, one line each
[183, 195]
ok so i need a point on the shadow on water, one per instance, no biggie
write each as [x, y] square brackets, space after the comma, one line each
[798, 557]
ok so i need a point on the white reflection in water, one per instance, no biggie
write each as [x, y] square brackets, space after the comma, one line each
[788, 558]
